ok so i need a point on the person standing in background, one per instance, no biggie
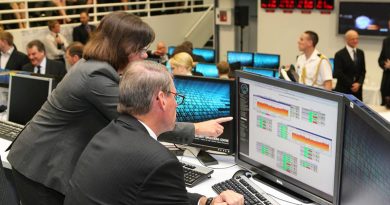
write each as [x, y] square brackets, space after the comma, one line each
[82, 32]
[11, 58]
[313, 68]
[384, 63]
[55, 42]
[350, 66]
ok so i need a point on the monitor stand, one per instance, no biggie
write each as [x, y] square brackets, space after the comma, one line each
[282, 189]
[202, 155]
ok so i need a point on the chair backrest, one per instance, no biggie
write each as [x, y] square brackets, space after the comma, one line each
[6, 194]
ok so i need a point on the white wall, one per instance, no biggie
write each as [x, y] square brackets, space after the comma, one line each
[278, 32]
[226, 33]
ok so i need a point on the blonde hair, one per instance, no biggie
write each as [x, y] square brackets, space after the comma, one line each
[182, 59]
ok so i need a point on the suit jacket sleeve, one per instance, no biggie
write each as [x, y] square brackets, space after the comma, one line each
[362, 74]
[338, 71]
[165, 185]
[382, 56]
[183, 133]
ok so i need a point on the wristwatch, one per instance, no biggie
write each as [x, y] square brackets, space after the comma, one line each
[209, 200]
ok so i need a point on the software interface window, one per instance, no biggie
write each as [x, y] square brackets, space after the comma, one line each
[291, 132]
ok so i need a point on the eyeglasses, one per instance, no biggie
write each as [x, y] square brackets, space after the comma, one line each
[178, 97]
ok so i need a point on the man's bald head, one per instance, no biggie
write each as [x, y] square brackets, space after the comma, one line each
[352, 38]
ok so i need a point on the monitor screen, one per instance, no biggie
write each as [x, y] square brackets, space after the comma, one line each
[261, 71]
[367, 18]
[206, 99]
[366, 153]
[331, 61]
[207, 54]
[289, 133]
[245, 58]
[207, 69]
[26, 96]
[171, 49]
[263, 60]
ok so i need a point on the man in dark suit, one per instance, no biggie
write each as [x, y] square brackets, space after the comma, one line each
[83, 32]
[350, 66]
[11, 58]
[384, 63]
[40, 64]
[124, 163]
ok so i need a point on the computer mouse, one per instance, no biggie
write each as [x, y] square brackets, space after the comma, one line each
[242, 172]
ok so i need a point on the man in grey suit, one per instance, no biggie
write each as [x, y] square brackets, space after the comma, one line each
[40, 64]
[124, 163]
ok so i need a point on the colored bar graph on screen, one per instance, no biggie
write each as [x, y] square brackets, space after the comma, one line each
[265, 150]
[264, 123]
[273, 109]
[287, 162]
[282, 131]
[312, 142]
[313, 117]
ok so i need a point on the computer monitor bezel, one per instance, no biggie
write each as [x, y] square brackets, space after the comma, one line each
[231, 145]
[10, 105]
[266, 54]
[373, 119]
[278, 179]
[239, 52]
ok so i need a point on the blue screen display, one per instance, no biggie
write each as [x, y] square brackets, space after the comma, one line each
[331, 61]
[243, 57]
[207, 54]
[171, 49]
[207, 69]
[262, 60]
[204, 99]
[264, 72]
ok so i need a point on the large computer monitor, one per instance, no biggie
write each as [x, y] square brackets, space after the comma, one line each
[206, 53]
[365, 167]
[265, 60]
[26, 96]
[207, 69]
[206, 99]
[289, 135]
[245, 58]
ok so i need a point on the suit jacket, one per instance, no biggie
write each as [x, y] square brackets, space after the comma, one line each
[347, 72]
[385, 54]
[17, 60]
[81, 34]
[85, 101]
[53, 68]
[123, 164]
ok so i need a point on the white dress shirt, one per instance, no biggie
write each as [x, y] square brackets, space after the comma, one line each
[5, 57]
[43, 67]
[52, 52]
[350, 51]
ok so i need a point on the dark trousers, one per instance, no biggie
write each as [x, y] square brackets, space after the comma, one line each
[33, 193]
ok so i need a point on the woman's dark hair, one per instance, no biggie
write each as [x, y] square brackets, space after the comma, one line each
[118, 35]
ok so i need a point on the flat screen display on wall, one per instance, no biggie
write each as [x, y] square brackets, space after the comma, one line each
[367, 18]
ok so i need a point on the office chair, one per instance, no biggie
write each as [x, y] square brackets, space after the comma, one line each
[7, 196]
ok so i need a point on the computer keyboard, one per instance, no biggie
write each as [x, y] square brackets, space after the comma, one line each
[194, 174]
[252, 193]
[9, 130]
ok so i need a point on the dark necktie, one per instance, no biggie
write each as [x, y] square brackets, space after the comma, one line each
[38, 69]
[355, 59]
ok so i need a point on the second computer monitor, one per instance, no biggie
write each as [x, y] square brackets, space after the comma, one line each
[206, 99]
[207, 53]
[366, 153]
[244, 58]
[26, 96]
[207, 69]
[264, 60]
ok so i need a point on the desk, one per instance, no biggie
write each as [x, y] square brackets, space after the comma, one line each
[371, 95]
[225, 171]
